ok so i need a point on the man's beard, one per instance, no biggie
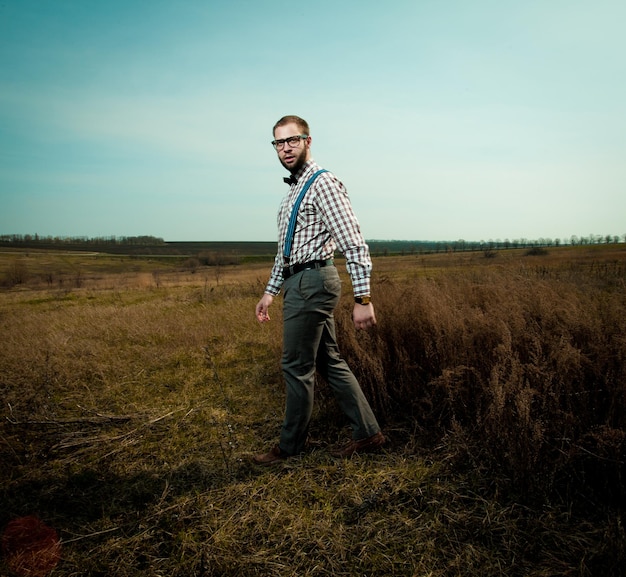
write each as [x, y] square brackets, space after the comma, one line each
[300, 161]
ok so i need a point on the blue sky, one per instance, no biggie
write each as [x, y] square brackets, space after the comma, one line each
[446, 120]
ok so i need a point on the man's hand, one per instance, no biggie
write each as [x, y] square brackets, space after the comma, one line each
[363, 316]
[262, 308]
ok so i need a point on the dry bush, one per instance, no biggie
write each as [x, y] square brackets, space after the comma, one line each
[523, 375]
[16, 273]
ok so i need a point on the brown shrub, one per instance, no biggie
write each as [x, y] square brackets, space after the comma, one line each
[520, 374]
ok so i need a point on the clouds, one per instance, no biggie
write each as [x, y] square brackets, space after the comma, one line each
[444, 120]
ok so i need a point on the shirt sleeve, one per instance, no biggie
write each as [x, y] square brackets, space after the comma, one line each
[336, 210]
[276, 277]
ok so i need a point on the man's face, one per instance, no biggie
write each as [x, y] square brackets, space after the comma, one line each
[292, 157]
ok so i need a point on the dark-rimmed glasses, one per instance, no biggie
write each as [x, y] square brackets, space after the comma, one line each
[292, 141]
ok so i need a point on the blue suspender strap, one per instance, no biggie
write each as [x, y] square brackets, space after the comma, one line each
[293, 218]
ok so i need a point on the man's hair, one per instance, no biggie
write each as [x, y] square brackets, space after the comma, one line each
[291, 119]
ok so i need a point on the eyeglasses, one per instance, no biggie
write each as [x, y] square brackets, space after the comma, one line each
[292, 141]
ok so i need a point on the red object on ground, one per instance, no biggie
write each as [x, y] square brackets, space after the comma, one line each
[30, 547]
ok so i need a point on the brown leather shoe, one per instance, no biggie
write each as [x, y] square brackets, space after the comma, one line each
[367, 445]
[275, 456]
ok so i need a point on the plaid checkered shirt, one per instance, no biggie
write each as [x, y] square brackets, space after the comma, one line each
[326, 222]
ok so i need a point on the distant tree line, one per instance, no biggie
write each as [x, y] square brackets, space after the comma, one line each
[132, 245]
[383, 247]
[30, 240]
[206, 251]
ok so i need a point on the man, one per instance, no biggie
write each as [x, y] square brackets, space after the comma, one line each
[304, 270]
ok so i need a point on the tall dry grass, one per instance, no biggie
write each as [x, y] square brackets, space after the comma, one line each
[131, 406]
[521, 371]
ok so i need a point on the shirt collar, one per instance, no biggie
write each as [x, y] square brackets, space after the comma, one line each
[307, 168]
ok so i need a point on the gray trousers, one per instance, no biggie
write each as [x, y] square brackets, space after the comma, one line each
[309, 343]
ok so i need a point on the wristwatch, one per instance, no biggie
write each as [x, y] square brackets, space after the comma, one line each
[362, 300]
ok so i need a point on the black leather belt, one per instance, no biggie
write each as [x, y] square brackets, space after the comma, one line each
[296, 268]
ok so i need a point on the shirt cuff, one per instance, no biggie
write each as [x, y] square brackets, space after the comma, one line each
[273, 287]
[361, 287]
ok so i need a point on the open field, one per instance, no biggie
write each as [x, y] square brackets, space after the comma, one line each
[134, 392]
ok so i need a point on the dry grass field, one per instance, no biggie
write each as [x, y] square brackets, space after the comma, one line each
[134, 392]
